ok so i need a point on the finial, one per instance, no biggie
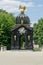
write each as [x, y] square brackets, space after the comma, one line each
[22, 8]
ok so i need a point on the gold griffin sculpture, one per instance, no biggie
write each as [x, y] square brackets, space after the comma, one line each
[22, 8]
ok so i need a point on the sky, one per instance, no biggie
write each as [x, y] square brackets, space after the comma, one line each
[34, 8]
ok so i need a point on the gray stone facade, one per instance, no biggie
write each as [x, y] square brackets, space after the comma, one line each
[22, 28]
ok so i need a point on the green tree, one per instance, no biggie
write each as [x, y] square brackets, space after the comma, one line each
[7, 20]
[38, 32]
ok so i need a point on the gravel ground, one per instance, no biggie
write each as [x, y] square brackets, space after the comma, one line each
[21, 58]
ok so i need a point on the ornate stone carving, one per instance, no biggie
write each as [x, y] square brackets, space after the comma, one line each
[28, 37]
[15, 37]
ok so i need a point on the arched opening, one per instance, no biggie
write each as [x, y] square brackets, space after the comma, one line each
[22, 41]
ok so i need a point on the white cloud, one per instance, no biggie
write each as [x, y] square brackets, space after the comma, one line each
[12, 5]
[30, 4]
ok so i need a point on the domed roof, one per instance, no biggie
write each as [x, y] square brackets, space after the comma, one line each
[22, 19]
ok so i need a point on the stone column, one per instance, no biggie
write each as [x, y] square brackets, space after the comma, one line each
[18, 38]
[25, 40]
[31, 39]
[12, 42]
[17, 41]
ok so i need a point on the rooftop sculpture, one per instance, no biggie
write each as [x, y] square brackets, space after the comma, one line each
[22, 8]
[22, 18]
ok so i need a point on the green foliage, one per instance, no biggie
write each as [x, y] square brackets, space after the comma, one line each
[7, 20]
[38, 32]
[22, 39]
[36, 49]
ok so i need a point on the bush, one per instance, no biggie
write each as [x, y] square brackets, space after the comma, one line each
[7, 20]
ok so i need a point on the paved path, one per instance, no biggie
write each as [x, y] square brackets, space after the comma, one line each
[21, 58]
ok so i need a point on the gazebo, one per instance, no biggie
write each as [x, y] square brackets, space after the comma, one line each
[22, 33]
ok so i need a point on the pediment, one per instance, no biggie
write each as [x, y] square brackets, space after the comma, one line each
[21, 28]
